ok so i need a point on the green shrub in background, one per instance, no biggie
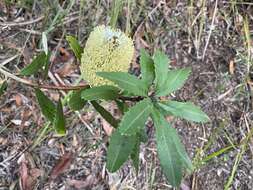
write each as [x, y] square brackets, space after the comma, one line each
[20, 3]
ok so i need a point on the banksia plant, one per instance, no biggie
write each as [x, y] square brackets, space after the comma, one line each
[104, 64]
[107, 50]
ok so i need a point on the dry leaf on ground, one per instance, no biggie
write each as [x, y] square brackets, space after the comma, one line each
[62, 165]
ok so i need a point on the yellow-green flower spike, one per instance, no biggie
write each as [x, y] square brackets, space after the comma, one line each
[106, 50]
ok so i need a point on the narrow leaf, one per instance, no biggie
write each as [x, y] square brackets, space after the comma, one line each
[171, 153]
[3, 87]
[46, 105]
[101, 92]
[46, 65]
[59, 122]
[134, 120]
[185, 110]
[120, 148]
[105, 114]
[36, 64]
[161, 62]
[117, 6]
[217, 153]
[75, 101]
[75, 46]
[175, 79]
[147, 68]
[126, 81]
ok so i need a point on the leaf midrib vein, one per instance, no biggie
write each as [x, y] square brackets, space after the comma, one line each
[138, 116]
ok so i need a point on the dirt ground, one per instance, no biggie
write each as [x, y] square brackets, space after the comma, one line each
[211, 37]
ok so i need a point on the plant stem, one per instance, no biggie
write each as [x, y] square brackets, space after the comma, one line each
[51, 87]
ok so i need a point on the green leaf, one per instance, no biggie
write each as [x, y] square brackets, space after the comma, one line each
[105, 114]
[46, 65]
[143, 136]
[36, 64]
[185, 110]
[46, 105]
[136, 154]
[126, 81]
[134, 120]
[169, 160]
[161, 62]
[75, 101]
[59, 121]
[3, 87]
[101, 92]
[120, 148]
[122, 106]
[217, 153]
[171, 153]
[147, 68]
[175, 79]
[75, 46]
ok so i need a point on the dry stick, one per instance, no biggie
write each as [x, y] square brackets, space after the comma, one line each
[44, 86]
[57, 49]
[6, 24]
[9, 60]
[238, 3]
[211, 29]
[18, 79]
[34, 32]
